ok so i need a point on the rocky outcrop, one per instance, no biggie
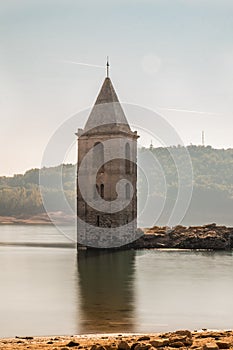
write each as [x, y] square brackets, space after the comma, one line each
[210, 237]
[182, 340]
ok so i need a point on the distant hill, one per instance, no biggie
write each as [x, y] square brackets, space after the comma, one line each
[212, 199]
[20, 195]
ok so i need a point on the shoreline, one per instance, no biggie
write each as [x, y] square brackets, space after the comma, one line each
[40, 219]
[181, 339]
[206, 237]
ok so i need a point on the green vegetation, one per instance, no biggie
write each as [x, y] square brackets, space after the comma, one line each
[212, 199]
[20, 195]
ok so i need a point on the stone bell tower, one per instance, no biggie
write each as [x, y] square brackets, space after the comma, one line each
[106, 175]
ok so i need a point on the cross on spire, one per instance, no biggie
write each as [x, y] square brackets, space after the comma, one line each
[107, 67]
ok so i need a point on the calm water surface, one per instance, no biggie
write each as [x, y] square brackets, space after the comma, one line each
[47, 291]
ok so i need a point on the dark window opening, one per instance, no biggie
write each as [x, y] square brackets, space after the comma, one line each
[127, 159]
[98, 156]
[98, 220]
[102, 190]
[127, 191]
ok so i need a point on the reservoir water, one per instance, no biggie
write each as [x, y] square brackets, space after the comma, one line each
[47, 290]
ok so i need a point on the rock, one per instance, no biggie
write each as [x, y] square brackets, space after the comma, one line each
[223, 344]
[158, 343]
[185, 332]
[94, 347]
[210, 334]
[110, 346]
[218, 335]
[133, 346]
[123, 345]
[100, 347]
[164, 335]
[210, 346]
[72, 344]
[142, 346]
[196, 237]
[144, 337]
[177, 338]
[177, 344]
[26, 338]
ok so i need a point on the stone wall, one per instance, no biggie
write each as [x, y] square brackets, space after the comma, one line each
[115, 167]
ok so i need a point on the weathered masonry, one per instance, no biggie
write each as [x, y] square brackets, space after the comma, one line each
[107, 175]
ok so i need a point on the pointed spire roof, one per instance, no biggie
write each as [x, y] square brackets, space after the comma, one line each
[107, 114]
[107, 93]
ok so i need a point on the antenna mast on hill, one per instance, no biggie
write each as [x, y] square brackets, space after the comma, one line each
[203, 138]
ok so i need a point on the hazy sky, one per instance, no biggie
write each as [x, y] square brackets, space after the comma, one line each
[171, 54]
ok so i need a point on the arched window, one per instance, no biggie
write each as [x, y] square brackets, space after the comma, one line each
[127, 159]
[98, 154]
[102, 190]
[127, 191]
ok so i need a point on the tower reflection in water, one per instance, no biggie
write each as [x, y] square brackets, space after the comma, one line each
[106, 287]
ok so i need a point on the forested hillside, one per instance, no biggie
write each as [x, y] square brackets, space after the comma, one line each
[20, 195]
[212, 199]
[212, 196]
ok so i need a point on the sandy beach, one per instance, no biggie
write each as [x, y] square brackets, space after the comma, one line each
[181, 339]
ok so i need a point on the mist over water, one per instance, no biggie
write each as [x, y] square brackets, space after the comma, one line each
[47, 291]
